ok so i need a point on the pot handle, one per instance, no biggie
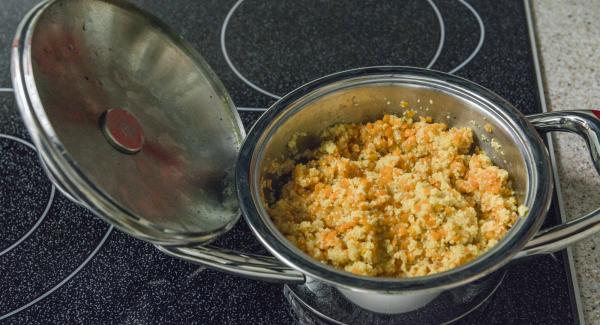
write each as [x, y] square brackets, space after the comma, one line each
[586, 123]
[258, 267]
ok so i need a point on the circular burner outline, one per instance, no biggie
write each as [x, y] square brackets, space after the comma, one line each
[265, 92]
[48, 205]
[63, 281]
[481, 37]
[72, 274]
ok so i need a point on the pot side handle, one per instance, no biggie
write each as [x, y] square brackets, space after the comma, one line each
[585, 123]
[251, 266]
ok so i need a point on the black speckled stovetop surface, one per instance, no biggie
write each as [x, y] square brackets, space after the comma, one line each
[59, 264]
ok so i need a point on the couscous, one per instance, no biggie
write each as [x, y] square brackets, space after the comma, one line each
[395, 197]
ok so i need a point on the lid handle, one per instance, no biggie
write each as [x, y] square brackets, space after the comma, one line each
[251, 266]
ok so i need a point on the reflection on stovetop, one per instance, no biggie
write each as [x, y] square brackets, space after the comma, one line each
[61, 264]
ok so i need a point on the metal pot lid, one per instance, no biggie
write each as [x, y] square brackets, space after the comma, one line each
[129, 120]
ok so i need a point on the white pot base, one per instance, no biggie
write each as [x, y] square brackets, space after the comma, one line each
[389, 303]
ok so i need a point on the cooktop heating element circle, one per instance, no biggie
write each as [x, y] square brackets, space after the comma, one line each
[46, 209]
[11, 250]
[432, 62]
[260, 89]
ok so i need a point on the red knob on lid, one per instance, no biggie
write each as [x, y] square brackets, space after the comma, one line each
[122, 130]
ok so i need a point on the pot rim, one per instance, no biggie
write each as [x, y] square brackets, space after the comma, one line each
[538, 195]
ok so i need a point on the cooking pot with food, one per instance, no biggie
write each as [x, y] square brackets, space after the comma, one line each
[131, 123]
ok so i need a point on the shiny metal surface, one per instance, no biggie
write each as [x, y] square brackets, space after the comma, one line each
[72, 60]
[365, 94]
[247, 265]
[587, 125]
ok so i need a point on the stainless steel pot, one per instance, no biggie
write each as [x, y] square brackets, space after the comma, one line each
[131, 123]
[366, 94]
